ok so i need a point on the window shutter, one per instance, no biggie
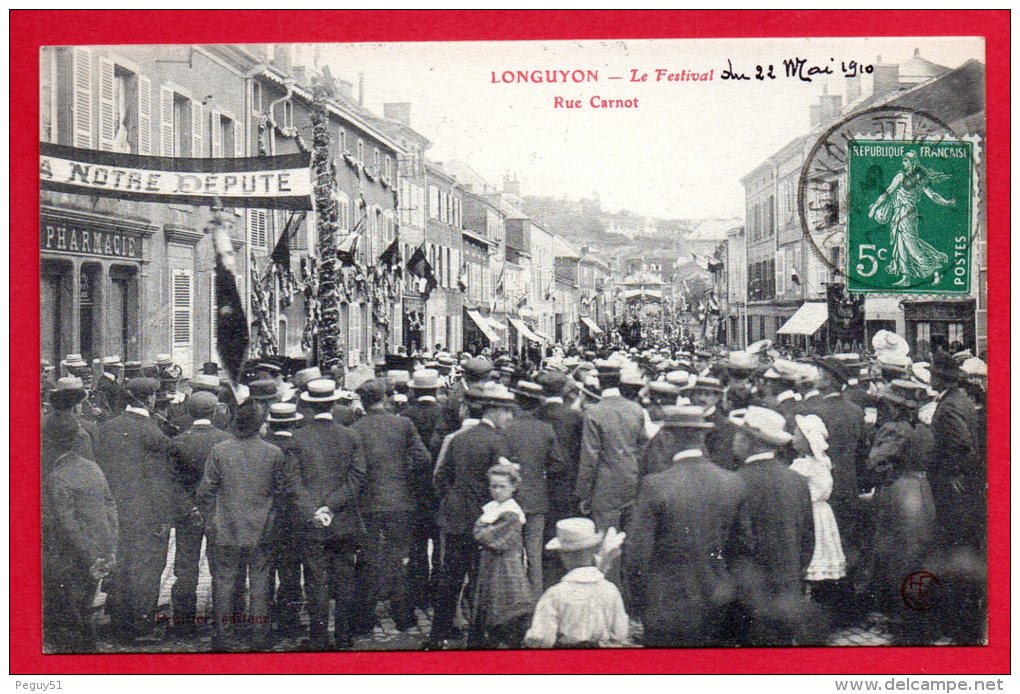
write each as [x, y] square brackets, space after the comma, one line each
[144, 115]
[258, 224]
[166, 121]
[239, 138]
[107, 118]
[215, 134]
[197, 143]
[781, 271]
[81, 69]
[213, 332]
[181, 298]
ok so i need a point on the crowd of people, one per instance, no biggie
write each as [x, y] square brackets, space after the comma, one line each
[714, 498]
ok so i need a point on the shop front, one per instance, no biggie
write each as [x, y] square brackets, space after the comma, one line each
[91, 271]
[946, 325]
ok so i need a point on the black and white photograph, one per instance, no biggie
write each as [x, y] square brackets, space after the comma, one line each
[513, 345]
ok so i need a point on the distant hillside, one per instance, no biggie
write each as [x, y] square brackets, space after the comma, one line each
[579, 222]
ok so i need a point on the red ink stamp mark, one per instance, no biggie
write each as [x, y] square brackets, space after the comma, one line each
[921, 590]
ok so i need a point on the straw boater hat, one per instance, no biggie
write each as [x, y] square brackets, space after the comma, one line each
[74, 361]
[321, 390]
[164, 360]
[573, 534]
[685, 417]
[112, 361]
[284, 412]
[204, 382]
[69, 392]
[398, 377]
[529, 389]
[741, 362]
[491, 393]
[762, 423]
[904, 393]
[703, 383]
[425, 379]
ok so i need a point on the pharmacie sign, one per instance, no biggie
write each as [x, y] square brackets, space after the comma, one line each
[280, 182]
[88, 239]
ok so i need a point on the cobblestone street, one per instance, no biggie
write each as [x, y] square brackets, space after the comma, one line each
[872, 631]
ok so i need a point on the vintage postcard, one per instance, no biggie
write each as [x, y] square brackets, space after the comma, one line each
[573, 343]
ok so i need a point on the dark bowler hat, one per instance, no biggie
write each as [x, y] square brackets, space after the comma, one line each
[834, 367]
[132, 369]
[477, 368]
[553, 382]
[944, 365]
[264, 389]
[60, 430]
[210, 368]
[372, 392]
[142, 387]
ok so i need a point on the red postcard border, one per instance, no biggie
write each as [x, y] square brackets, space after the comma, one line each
[31, 29]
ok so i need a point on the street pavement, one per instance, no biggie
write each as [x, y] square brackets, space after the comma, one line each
[871, 631]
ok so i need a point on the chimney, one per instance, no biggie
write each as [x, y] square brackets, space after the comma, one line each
[886, 78]
[346, 89]
[283, 57]
[511, 186]
[361, 89]
[853, 89]
[400, 112]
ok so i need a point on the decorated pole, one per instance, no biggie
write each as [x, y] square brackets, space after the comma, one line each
[330, 346]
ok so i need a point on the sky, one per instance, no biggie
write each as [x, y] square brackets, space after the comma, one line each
[680, 153]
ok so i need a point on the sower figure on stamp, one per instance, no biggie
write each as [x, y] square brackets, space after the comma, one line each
[79, 520]
[330, 474]
[394, 456]
[242, 481]
[607, 479]
[189, 451]
[686, 520]
[133, 454]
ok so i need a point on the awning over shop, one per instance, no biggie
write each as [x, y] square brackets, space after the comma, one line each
[496, 324]
[882, 308]
[525, 330]
[483, 325]
[545, 338]
[592, 325]
[807, 320]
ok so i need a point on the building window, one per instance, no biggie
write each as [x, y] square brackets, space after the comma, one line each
[388, 169]
[181, 124]
[343, 212]
[256, 97]
[361, 151]
[341, 141]
[288, 114]
[376, 159]
[922, 346]
[258, 229]
[955, 336]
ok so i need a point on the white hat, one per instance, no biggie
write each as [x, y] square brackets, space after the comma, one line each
[321, 390]
[921, 371]
[762, 423]
[574, 534]
[759, 346]
[886, 342]
[813, 428]
[974, 366]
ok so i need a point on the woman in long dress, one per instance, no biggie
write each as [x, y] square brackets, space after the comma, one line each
[912, 257]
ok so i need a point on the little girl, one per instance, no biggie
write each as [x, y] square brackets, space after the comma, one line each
[503, 598]
[828, 562]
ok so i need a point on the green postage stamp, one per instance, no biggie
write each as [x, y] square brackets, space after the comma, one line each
[909, 216]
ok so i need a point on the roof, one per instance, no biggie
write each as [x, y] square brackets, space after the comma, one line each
[917, 69]
[562, 249]
[714, 229]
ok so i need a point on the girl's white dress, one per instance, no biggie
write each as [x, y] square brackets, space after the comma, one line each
[828, 563]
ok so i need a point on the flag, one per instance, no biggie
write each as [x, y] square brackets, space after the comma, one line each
[419, 266]
[523, 301]
[390, 258]
[346, 249]
[231, 324]
[795, 278]
[462, 280]
[281, 252]
[548, 292]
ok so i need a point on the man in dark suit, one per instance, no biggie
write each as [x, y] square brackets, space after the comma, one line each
[686, 520]
[283, 419]
[568, 424]
[394, 456]
[189, 451]
[79, 541]
[607, 478]
[243, 479]
[782, 529]
[532, 444]
[132, 452]
[476, 372]
[329, 475]
[958, 476]
[65, 397]
[425, 413]
[463, 486]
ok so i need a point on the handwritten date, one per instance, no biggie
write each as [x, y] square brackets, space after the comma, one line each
[798, 68]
